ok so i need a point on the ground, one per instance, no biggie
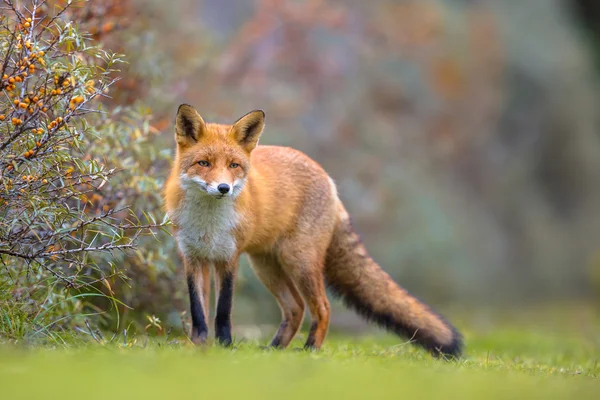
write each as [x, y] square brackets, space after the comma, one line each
[503, 362]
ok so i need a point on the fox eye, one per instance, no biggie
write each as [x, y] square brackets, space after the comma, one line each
[234, 165]
[204, 163]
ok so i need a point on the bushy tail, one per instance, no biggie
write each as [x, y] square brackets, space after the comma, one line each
[352, 274]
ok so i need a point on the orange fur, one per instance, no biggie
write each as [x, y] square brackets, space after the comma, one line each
[281, 209]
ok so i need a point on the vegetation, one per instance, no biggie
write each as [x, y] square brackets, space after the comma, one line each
[505, 364]
[63, 214]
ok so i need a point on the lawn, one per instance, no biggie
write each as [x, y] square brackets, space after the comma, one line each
[502, 363]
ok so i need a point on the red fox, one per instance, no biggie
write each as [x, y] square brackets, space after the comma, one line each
[227, 196]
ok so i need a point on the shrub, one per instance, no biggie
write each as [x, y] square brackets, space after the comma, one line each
[63, 216]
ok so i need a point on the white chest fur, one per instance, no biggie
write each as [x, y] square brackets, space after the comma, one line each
[206, 227]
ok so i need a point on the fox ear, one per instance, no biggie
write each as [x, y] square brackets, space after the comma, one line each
[189, 125]
[247, 129]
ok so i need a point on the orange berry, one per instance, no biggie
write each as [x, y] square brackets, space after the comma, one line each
[28, 20]
[18, 79]
[23, 105]
[35, 99]
[58, 91]
[27, 24]
[22, 190]
[40, 103]
[30, 110]
[107, 27]
[59, 119]
[78, 99]
[66, 83]
[44, 109]
[4, 76]
[9, 167]
[2, 117]
[11, 80]
[54, 93]
[41, 54]
[38, 144]
[16, 102]
[45, 181]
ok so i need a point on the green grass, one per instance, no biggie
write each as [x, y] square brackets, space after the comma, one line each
[513, 363]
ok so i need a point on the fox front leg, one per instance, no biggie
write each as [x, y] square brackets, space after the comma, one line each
[196, 282]
[224, 287]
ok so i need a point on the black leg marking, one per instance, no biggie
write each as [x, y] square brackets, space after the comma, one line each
[310, 341]
[223, 317]
[276, 342]
[199, 327]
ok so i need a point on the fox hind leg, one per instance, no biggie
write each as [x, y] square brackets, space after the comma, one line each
[302, 256]
[305, 268]
[313, 290]
[269, 271]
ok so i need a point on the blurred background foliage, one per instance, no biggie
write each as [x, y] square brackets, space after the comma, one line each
[462, 134]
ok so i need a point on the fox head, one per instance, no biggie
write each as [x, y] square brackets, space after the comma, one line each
[214, 159]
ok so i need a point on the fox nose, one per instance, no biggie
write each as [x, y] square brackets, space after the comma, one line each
[223, 188]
